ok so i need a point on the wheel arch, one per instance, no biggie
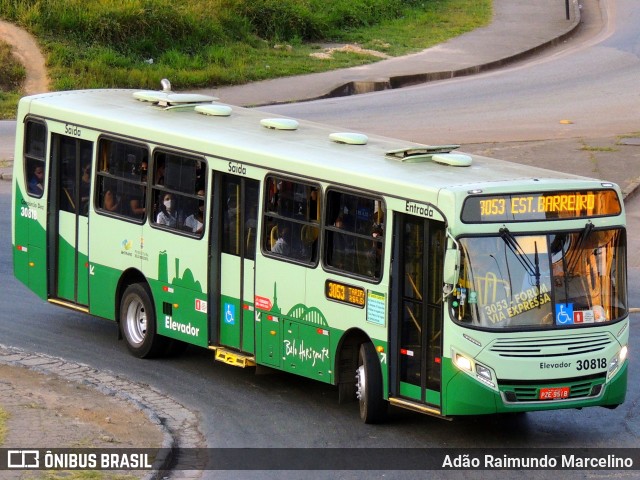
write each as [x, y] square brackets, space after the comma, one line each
[346, 362]
[128, 277]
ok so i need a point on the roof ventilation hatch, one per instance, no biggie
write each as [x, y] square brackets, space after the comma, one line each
[349, 138]
[435, 153]
[279, 123]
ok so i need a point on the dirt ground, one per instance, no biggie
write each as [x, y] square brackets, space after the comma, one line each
[47, 411]
[37, 403]
[26, 49]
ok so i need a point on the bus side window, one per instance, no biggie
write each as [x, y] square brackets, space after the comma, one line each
[354, 238]
[290, 224]
[34, 155]
[179, 193]
[121, 179]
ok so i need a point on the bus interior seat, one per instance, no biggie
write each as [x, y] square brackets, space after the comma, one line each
[308, 234]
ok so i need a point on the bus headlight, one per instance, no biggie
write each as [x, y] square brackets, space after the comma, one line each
[463, 363]
[616, 361]
[623, 353]
[484, 375]
[483, 372]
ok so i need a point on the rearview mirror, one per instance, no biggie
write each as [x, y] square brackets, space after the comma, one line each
[451, 269]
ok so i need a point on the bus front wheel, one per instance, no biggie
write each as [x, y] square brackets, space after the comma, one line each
[373, 407]
[138, 322]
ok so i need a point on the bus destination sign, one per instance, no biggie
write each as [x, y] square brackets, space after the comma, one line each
[341, 292]
[515, 207]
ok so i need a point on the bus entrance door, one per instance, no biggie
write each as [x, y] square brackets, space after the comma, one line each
[238, 199]
[416, 320]
[68, 237]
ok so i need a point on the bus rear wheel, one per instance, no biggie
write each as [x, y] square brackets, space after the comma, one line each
[138, 322]
[373, 407]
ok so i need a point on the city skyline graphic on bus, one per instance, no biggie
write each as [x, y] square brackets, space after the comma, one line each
[185, 281]
[300, 311]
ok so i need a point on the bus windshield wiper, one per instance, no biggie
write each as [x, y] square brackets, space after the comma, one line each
[532, 268]
[576, 252]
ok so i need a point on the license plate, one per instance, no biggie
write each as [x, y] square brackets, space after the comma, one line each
[555, 393]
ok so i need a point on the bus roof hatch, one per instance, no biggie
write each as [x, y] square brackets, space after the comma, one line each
[349, 138]
[170, 99]
[434, 153]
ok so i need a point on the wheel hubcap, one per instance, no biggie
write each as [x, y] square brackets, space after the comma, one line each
[361, 382]
[136, 321]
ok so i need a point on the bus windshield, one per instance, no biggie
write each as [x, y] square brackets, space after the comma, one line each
[563, 279]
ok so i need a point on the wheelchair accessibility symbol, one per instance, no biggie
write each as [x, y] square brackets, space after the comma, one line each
[229, 314]
[564, 314]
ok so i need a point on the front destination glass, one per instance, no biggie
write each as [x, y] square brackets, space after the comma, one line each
[543, 281]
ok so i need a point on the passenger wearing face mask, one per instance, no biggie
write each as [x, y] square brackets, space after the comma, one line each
[167, 215]
[194, 222]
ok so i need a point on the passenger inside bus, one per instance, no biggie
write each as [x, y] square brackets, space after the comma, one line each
[36, 182]
[195, 222]
[85, 187]
[159, 178]
[167, 215]
[137, 197]
[313, 204]
[282, 246]
[110, 201]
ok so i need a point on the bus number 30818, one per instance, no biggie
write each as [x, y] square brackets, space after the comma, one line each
[591, 364]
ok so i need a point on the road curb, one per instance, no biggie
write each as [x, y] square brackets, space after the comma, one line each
[361, 86]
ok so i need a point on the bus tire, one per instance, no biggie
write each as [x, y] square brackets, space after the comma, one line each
[373, 407]
[137, 322]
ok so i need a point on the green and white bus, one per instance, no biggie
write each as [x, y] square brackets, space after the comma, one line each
[402, 273]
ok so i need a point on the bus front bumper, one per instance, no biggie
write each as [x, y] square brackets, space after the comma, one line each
[467, 396]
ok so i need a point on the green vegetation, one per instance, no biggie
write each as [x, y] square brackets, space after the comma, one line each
[204, 43]
[589, 148]
[12, 75]
[3, 425]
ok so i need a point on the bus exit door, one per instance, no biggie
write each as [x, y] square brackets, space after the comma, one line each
[416, 320]
[68, 225]
[237, 198]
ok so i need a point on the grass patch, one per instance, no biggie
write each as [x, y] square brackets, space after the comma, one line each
[629, 135]
[8, 104]
[207, 43]
[588, 148]
[4, 416]
[12, 75]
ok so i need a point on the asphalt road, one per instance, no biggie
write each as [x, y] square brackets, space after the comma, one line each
[591, 80]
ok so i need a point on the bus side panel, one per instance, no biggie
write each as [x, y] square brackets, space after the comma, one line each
[29, 258]
[66, 265]
[293, 333]
[347, 322]
[181, 312]
[175, 268]
[103, 282]
[20, 236]
[111, 252]
[83, 264]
